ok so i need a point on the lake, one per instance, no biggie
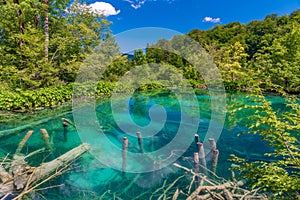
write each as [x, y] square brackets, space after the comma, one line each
[168, 132]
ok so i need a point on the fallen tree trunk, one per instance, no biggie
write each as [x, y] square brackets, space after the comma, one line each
[13, 131]
[47, 168]
[21, 179]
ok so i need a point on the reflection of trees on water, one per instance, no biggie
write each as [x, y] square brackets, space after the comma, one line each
[138, 108]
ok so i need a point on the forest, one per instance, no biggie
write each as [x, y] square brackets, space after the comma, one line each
[43, 45]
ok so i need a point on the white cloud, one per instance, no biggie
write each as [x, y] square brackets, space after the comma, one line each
[212, 20]
[104, 8]
[136, 4]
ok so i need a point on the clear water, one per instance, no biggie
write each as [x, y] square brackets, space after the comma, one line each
[88, 178]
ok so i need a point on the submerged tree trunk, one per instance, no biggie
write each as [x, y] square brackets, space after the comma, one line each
[21, 179]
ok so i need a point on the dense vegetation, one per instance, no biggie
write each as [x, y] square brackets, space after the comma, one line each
[278, 171]
[263, 56]
[267, 51]
[43, 44]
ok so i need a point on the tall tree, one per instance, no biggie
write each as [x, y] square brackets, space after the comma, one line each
[232, 62]
[48, 42]
[46, 28]
[286, 58]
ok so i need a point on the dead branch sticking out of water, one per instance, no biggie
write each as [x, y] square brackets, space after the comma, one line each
[68, 121]
[211, 189]
[17, 178]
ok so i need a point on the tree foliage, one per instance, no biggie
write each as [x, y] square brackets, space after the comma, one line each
[269, 50]
[280, 130]
[43, 42]
[263, 56]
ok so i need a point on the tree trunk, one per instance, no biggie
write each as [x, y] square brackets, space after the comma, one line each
[46, 169]
[21, 30]
[21, 23]
[286, 82]
[22, 178]
[46, 29]
[36, 20]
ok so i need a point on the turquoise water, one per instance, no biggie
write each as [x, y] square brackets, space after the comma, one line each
[91, 178]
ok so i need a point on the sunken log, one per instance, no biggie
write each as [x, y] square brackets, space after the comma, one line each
[65, 127]
[124, 153]
[214, 162]
[140, 141]
[68, 121]
[196, 138]
[46, 138]
[13, 131]
[21, 179]
[213, 144]
[201, 154]
[47, 168]
[22, 143]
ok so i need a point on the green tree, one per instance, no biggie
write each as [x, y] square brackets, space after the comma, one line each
[281, 174]
[286, 58]
[139, 57]
[43, 42]
[231, 63]
[259, 67]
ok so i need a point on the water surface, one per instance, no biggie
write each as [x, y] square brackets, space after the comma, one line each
[89, 178]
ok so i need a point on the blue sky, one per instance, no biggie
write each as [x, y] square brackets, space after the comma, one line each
[185, 15]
